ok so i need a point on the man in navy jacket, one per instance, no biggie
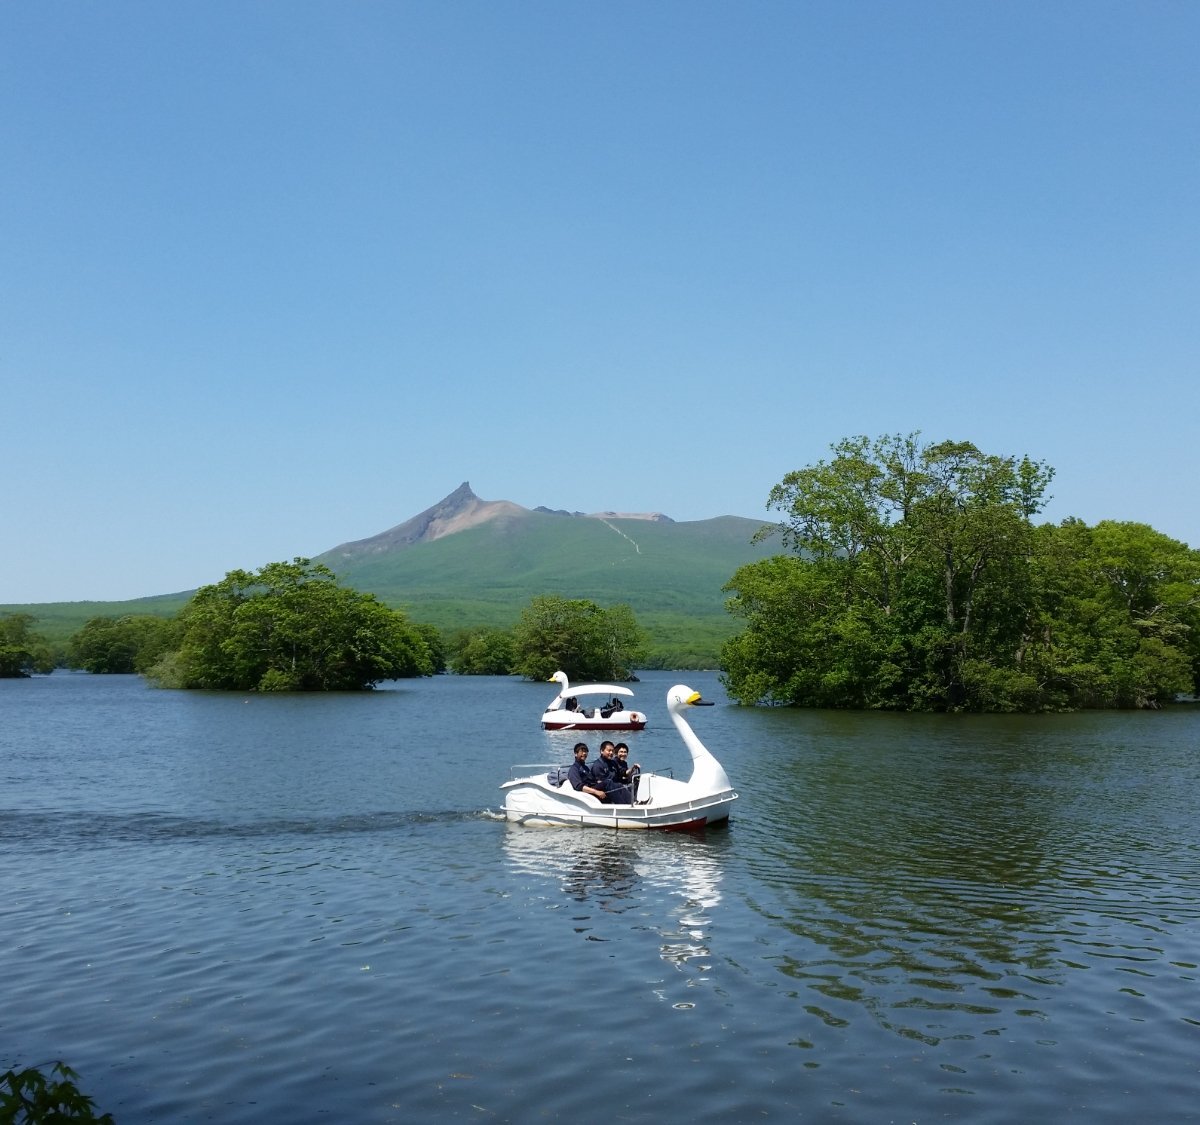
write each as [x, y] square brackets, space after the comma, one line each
[580, 775]
[606, 777]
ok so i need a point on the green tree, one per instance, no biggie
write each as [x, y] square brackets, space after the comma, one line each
[1118, 615]
[435, 643]
[810, 639]
[578, 637]
[290, 627]
[133, 643]
[618, 643]
[482, 652]
[22, 651]
[912, 583]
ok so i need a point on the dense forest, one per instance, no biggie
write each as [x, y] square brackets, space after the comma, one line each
[916, 579]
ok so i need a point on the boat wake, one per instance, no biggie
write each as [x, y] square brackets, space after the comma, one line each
[42, 829]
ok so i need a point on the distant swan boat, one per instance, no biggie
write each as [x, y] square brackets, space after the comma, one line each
[565, 711]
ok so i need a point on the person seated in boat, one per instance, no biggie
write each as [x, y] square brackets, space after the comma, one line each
[605, 774]
[580, 774]
[570, 703]
[605, 766]
[612, 705]
[627, 774]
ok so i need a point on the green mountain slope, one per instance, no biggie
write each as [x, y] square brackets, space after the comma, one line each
[59, 621]
[485, 574]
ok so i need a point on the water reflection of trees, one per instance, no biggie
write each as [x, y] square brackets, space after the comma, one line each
[930, 874]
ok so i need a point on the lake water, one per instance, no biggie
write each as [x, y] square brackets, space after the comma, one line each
[233, 908]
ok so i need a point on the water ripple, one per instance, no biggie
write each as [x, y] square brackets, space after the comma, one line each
[242, 910]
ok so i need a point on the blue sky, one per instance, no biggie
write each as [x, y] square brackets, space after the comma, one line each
[276, 276]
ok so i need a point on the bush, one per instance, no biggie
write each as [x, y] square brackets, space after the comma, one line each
[28, 1097]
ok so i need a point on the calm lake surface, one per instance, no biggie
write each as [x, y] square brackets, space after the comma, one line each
[235, 908]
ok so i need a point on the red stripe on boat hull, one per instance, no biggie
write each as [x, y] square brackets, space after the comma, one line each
[593, 726]
[686, 826]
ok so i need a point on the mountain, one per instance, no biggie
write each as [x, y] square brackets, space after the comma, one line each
[467, 562]
[460, 511]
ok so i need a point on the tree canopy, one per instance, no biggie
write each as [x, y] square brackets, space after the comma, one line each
[22, 650]
[917, 580]
[290, 627]
[132, 643]
[482, 652]
[578, 637]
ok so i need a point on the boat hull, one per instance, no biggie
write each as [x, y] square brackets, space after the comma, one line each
[534, 802]
[619, 720]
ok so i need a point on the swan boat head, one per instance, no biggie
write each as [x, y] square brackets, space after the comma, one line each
[707, 773]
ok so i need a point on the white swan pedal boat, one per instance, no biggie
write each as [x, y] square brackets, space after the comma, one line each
[567, 712]
[664, 801]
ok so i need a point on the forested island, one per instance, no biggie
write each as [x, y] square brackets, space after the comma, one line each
[917, 580]
[911, 577]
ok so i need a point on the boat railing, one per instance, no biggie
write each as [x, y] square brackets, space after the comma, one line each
[524, 769]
